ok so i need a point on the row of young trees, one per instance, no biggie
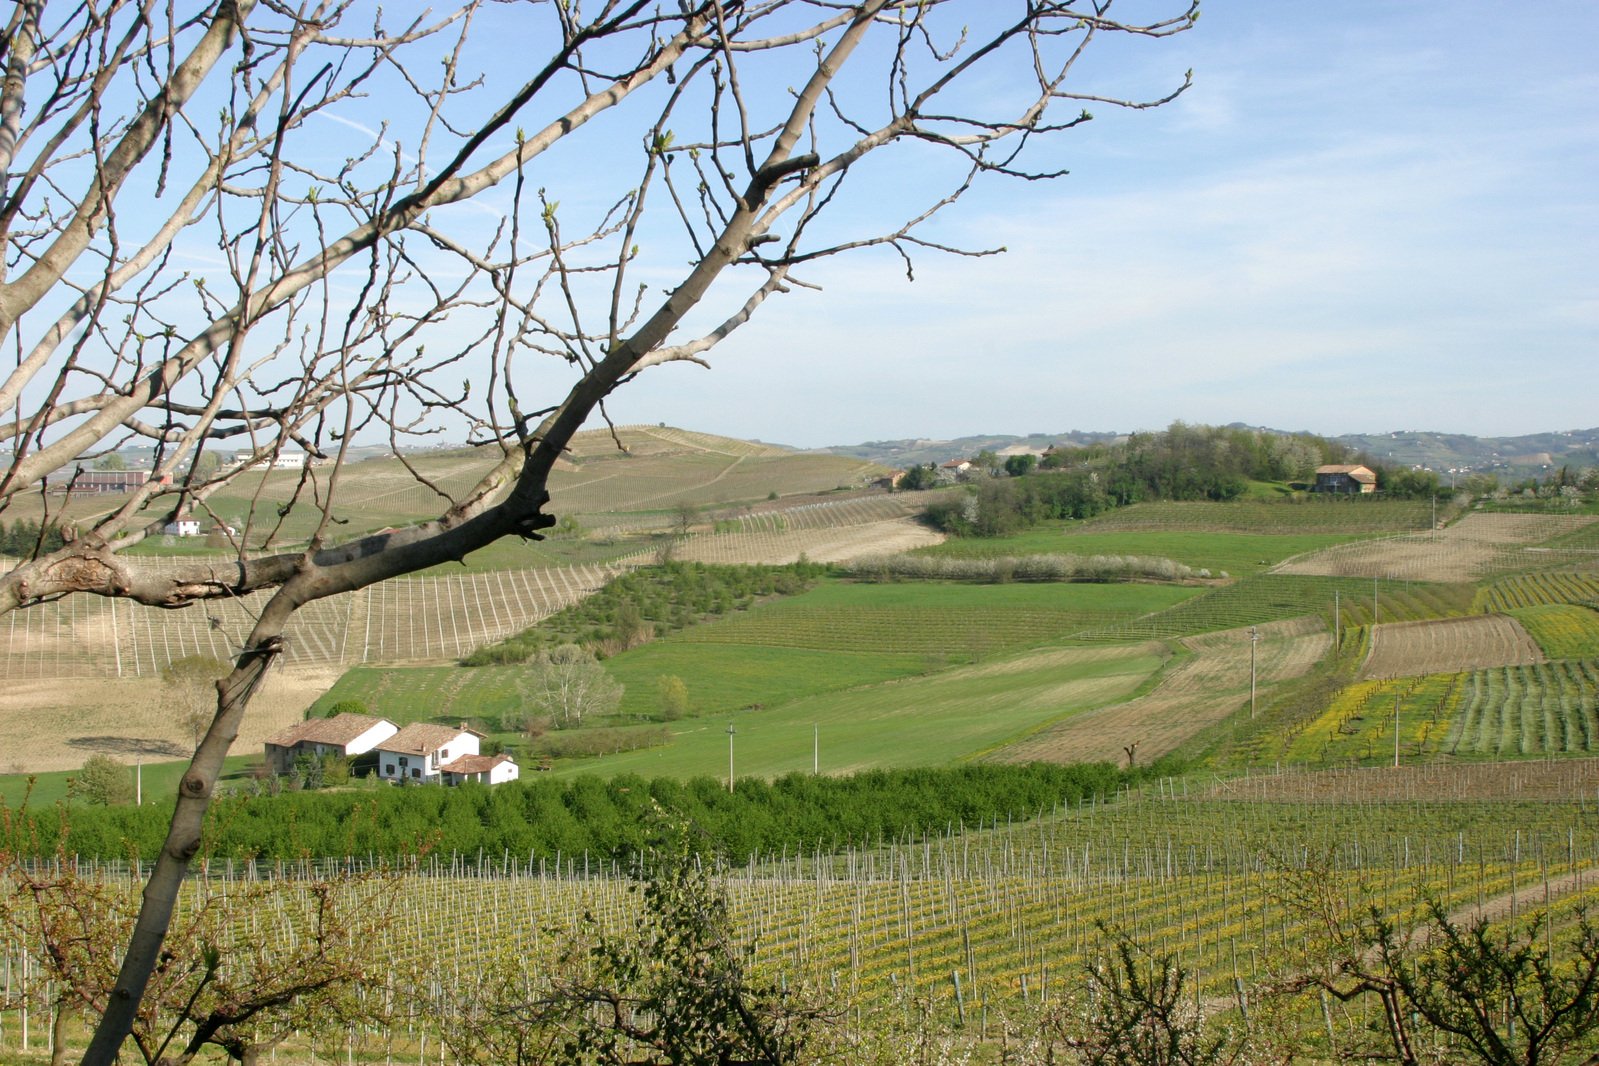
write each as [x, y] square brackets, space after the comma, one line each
[602, 818]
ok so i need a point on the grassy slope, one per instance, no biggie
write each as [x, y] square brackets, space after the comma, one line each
[921, 721]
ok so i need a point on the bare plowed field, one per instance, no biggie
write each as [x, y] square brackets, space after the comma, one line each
[1477, 545]
[1409, 649]
[55, 726]
[1201, 690]
[826, 545]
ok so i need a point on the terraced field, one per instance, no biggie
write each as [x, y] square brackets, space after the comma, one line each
[1480, 544]
[1200, 690]
[1408, 649]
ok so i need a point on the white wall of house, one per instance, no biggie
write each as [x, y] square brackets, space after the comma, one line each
[393, 766]
[364, 743]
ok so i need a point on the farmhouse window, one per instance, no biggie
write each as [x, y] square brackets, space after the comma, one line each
[404, 762]
[416, 771]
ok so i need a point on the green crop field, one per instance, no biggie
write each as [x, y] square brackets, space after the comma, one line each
[1271, 597]
[1535, 589]
[937, 620]
[1545, 708]
[1219, 552]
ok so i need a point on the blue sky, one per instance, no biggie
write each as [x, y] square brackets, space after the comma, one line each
[1363, 217]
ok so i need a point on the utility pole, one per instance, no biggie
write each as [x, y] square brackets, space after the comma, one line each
[1396, 729]
[730, 732]
[1337, 623]
[816, 748]
[1254, 638]
[1374, 612]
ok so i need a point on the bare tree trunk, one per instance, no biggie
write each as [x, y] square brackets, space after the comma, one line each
[183, 840]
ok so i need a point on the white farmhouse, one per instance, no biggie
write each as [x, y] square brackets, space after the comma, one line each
[418, 752]
[348, 735]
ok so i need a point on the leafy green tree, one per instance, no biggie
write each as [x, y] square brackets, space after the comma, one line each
[347, 707]
[919, 477]
[1020, 465]
[111, 461]
[103, 781]
[672, 692]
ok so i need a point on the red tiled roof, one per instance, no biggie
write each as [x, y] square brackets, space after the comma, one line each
[1358, 473]
[474, 764]
[421, 738]
[341, 729]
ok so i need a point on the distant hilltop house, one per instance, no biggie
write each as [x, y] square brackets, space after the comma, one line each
[423, 752]
[345, 735]
[956, 466]
[1352, 480]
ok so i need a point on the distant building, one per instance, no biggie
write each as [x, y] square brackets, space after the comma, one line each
[1351, 480]
[113, 480]
[186, 526]
[347, 735]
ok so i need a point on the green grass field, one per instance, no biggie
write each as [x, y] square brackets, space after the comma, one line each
[160, 781]
[919, 721]
[1237, 554]
[1296, 515]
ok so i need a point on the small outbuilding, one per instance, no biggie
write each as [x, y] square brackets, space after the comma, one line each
[487, 769]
